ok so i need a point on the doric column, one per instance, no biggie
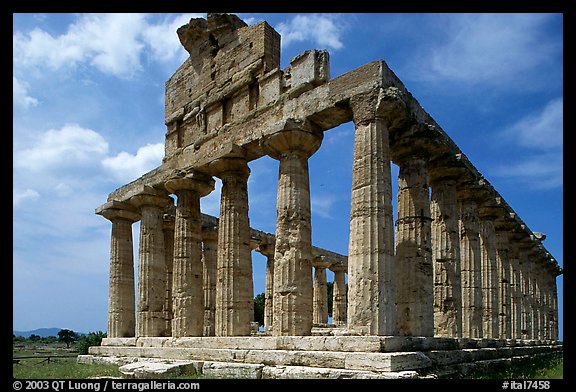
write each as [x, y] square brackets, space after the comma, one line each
[339, 294]
[121, 313]
[168, 220]
[293, 249]
[151, 319]
[371, 276]
[268, 251]
[554, 331]
[527, 291]
[209, 261]
[234, 285]
[187, 292]
[489, 272]
[516, 290]
[415, 293]
[446, 258]
[504, 281]
[320, 301]
[470, 263]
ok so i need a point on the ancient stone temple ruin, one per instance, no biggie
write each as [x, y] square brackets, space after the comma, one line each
[456, 279]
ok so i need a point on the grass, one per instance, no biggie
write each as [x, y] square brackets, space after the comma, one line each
[57, 367]
[544, 367]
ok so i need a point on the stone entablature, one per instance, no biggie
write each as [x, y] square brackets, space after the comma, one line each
[463, 264]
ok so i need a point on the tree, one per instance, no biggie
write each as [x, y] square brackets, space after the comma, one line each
[259, 302]
[34, 338]
[92, 339]
[67, 336]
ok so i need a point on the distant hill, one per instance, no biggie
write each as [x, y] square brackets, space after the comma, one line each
[42, 332]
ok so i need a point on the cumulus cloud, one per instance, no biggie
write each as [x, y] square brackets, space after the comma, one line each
[322, 29]
[112, 43]
[127, 167]
[485, 48]
[71, 146]
[20, 97]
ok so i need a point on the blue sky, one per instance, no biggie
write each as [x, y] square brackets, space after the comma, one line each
[88, 117]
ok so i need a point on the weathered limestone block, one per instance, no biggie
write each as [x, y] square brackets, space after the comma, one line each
[232, 370]
[209, 269]
[187, 293]
[446, 257]
[234, 286]
[293, 248]
[157, 369]
[371, 279]
[121, 312]
[414, 296]
[390, 362]
[320, 298]
[151, 263]
[306, 71]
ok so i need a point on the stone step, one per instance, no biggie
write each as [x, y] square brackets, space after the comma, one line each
[369, 361]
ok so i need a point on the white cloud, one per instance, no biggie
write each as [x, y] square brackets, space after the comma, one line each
[127, 167]
[322, 29]
[20, 196]
[542, 130]
[321, 205]
[69, 147]
[485, 48]
[113, 43]
[20, 97]
[539, 171]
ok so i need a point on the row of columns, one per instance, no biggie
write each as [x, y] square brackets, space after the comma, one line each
[454, 269]
[450, 266]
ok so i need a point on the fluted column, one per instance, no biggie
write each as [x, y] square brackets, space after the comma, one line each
[415, 294]
[187, 293]
[516, 290]
[526, 269]
[470, 262]
[293, 248]
[554, 331]
[168, 220]
[151, 319]
[371, 275]
[339, 294]
[504, 279]
[209, 261]
[489, 273]
[446, 258]
[234, 286]
[268, 251]
[121, 312]
[320, 301]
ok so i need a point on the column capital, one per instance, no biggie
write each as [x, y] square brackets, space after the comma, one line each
[195, 181]
[150, 196]
[118, 210]
[337, 267]
[266, 249]
[296, 135]
[320, 262]
[229, 165]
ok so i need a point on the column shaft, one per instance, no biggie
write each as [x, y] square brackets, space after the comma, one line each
[470, 261]
[320, 309]
[168, 230]
[446, 256]
[339, 297]
[209, 262]
[121, 312]
[269, 293]
[415, 295]
[151, 267]
[504, 278]
[234, 286]
[490, 307]
[371, 276]
[516, 290]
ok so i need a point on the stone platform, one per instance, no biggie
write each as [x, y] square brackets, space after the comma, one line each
[314, 356]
